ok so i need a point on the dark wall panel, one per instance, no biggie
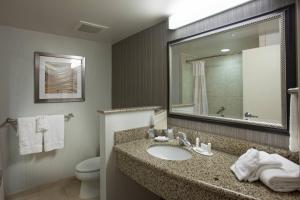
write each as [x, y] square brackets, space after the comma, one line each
[139, 69]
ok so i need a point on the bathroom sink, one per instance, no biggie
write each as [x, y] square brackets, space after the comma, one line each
[168, 152]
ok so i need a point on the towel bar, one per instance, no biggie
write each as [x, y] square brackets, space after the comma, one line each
[13, 122]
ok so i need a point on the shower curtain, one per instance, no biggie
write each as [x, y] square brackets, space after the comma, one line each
[200, 95]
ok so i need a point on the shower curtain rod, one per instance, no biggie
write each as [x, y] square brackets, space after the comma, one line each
[220, 55]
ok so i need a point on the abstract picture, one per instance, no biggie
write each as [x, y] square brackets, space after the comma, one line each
[58, 78]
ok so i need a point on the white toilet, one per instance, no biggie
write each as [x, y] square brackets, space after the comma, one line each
[88, 172]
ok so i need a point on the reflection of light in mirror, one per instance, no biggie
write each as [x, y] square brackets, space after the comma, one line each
[189, 11]
[75, 63]
[225, 50]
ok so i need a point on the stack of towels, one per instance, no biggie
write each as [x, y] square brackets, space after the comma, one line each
[275, 171]
[36, 132]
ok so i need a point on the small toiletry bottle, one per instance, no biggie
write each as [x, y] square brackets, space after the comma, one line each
[170, 134]
[203, 146]
[165, 131]
[197, 142]
[151, 131]
[209, 148]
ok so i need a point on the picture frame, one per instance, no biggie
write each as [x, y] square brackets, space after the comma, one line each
[58, 78]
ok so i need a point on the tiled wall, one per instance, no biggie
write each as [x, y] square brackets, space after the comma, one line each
[266, 138]
[224, 85]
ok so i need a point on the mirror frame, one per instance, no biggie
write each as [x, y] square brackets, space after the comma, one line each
[288, 68]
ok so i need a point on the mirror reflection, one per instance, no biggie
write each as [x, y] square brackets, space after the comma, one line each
[232, 74]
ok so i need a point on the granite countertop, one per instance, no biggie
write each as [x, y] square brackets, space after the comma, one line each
[134, 109]
[209, 173]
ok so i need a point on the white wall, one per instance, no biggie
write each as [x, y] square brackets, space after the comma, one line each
[114, 185]
[16, 89]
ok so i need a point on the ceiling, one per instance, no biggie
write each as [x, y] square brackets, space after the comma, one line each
[123, 17]
[236, 40]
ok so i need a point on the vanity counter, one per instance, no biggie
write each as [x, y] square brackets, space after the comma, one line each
[200, 177]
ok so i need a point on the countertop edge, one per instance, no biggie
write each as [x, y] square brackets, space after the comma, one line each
[133, 109]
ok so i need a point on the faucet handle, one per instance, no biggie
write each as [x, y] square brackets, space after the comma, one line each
[182, 135]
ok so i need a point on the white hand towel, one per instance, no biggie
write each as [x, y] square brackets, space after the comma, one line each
[42, 124]
[54, 136]
[265, 161]
[294, 128]
[284, 179]
[246, 164]
[29, 140]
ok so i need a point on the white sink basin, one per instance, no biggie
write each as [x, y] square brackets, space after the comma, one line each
[167, 152]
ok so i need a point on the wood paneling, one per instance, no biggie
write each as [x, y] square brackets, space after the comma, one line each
[140, 68]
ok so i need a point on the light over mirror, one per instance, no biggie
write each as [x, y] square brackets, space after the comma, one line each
[234, 75]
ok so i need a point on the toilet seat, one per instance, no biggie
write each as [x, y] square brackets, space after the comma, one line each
[89, 165]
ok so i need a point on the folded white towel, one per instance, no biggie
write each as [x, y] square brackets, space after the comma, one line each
[284, 179]
[54, 136]
[29, 140]
[251, 164]
[294, 126]
[42, 124]
[246, 164]
[265, 161]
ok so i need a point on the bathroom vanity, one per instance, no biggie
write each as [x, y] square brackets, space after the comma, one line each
[199, 177]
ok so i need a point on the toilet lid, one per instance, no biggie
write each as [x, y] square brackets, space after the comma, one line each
[89, 165]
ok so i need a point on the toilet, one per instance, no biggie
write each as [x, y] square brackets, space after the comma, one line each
[88, 172]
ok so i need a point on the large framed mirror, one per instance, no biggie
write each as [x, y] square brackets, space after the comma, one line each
[236, 75]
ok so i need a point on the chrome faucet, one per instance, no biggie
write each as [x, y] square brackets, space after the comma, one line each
[183, 140]
[221, 109]
[247, 114]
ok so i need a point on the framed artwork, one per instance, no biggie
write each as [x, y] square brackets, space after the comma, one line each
[58, 78]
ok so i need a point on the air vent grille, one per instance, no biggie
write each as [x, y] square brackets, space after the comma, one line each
[88, 27]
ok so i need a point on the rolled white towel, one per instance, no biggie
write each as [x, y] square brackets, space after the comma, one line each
[284, 179]
[246, 164]
[265, 161]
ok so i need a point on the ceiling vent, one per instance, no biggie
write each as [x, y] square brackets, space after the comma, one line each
[88, 27]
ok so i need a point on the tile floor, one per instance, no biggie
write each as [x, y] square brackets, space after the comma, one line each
[62, 190]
